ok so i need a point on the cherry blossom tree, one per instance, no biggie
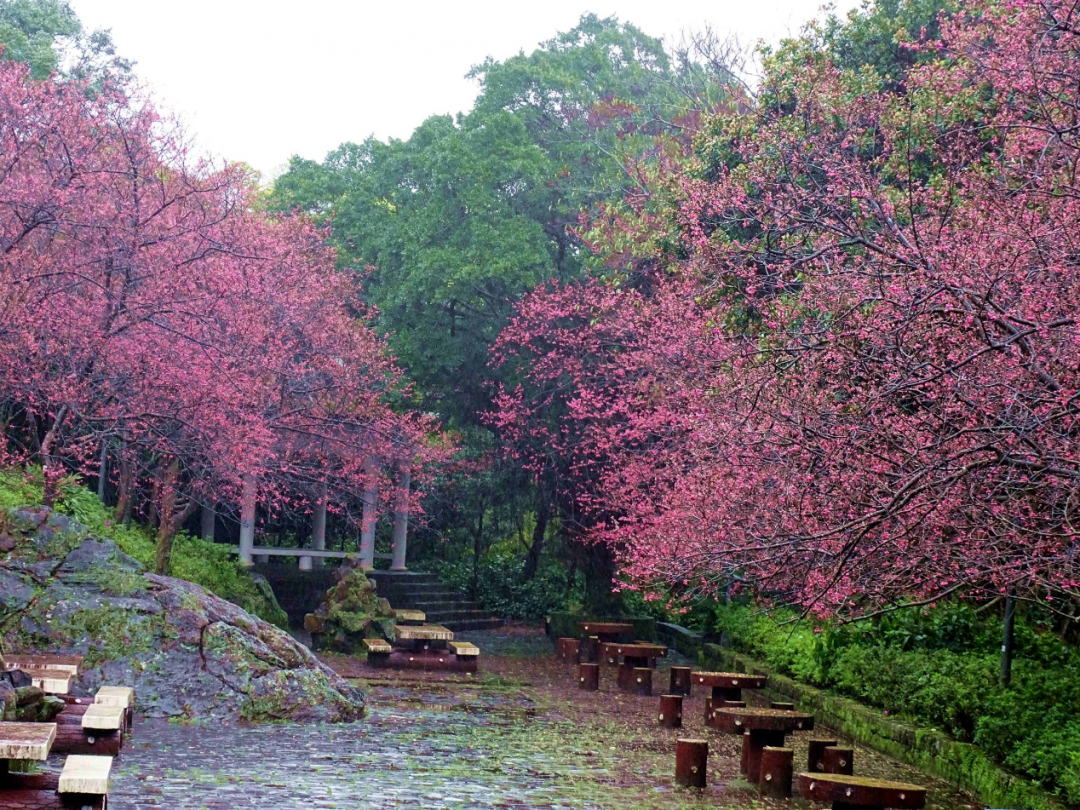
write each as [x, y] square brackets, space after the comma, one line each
[149, 303]
[868, 394]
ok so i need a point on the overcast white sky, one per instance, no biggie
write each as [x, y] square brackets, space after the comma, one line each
[260, 80]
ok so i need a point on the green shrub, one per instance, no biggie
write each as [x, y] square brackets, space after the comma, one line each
[207, 564]
[938, 668]
[500, 589]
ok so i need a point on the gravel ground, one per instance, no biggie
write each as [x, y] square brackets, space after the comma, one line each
[517, 735]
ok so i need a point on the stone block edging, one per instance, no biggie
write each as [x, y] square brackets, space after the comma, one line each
[963, 764]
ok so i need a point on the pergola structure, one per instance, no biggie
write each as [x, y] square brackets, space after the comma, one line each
[309, 557]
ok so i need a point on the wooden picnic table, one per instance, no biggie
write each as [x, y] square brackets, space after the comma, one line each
[760, 728]
[427, 636]
[608, 631]
[633, 656]
[728, 685]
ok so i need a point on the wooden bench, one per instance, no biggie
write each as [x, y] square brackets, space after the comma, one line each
[122, 696]
[99, 717]
[378, 651]
[464, 649]
[70, 663]
[410, 617]
[51, 681]
[85, 781]
[863, 792]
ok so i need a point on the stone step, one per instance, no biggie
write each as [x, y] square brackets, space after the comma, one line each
[445, 604]
[417, 589]
[410, 601]
[404, 577]
[473, 624]
[444, 616]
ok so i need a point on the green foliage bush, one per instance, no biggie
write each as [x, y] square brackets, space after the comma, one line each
[207, 564]
[939, 668]
[500, 589]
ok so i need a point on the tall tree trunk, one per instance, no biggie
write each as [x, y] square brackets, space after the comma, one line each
[125, 491]
[599, 572]
[1005, 676]
[171, 518]
[50, 467]
[532, 559]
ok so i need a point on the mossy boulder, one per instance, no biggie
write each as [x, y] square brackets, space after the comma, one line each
[22, 702]
[351, 612]
[186, 652]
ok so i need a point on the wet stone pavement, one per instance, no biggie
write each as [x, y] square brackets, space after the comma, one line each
[517, 735]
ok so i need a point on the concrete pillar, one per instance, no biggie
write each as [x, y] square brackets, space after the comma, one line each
[401, 524]
[209, 521]
[318, 528]
[368, 519]
[247, 519]
[103, 471]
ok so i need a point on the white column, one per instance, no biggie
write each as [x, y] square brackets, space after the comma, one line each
[401, 524]
[368, 519]
[209, 519]
[247, 519]
[318, 531]
[103, 471]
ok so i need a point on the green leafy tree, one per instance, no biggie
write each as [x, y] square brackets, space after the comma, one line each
[48, 36]
[457, 222]
[30, 30]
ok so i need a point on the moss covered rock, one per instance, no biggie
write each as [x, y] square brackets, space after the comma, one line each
[186, 652]
[351, 612]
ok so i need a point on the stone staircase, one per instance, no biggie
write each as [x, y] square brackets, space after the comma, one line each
[410, 590]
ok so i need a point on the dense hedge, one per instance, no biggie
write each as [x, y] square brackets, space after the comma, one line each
[939, 668]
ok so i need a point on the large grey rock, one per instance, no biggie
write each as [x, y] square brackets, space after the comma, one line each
[186, 652]
[16, 591]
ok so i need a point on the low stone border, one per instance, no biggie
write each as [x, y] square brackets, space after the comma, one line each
[931, 751]
[685, 641]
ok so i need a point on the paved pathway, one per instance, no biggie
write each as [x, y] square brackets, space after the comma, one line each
[517, 736]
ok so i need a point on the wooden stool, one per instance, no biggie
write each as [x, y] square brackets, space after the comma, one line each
[589, 650]
[839, 760]
[589, 677]
[777, 767]
[641, 683]
[691, 761]
[566, 649]
[118, 696]
[816, 757]
[680, 681]
[85, 780]
[671, 711]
